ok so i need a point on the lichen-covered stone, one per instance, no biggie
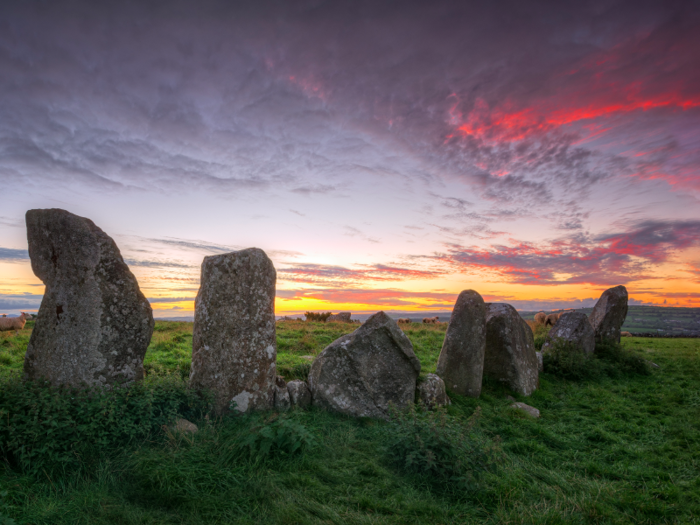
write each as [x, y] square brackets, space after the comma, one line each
[572, 328]
[510, 349]
[609, 314]
[234, 347]
[94, 324]
[461, 361]
[299, 393]
[361, 374]
[431, 392]
[282, 399]
[184, 426]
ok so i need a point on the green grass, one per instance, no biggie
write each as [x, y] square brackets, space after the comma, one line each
[622, 449]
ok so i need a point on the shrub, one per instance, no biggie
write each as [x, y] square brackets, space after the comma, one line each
[320, 317]
[44, 428]
[438, 448]
[277, 436]
[540, 332]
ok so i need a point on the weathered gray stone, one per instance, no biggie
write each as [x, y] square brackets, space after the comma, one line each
[94, 324]
[234, 348]
[362, 373]
[282, 399]
[531, 411]
[299, 393]
[342, 317]
[431, 392]
[609, 313]
[540, 362]
[510, 349]
[184, 426]
[572, 328]
[461, 361]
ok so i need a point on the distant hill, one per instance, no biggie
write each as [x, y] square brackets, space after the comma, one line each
[669, 320]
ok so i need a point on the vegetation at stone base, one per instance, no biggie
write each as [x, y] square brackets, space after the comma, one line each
[606, 450]
[318, 316]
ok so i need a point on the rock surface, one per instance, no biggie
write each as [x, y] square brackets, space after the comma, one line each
[184, 426]
[362, 373]
[540, 362]
[532, 411]
[234, 347]
[342, 317]
[94, 324]
[573, 328]
[461, 361]
[299, 393]
[282, 399]
[609, 314]
[510, 349]
[431, 392]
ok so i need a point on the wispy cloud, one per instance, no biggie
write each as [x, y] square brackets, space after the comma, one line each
[13, 255]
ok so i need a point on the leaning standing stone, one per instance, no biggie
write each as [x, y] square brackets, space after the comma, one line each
[234, 349]
[94, 324]
[461, 361]
[573, 328]
[609, 314]
[361, 374]
[510, 349]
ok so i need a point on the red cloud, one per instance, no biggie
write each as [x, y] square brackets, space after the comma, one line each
[316, 273]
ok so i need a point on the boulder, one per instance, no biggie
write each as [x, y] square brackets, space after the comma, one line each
[510, 349]
[184, 426]
[299, 393]
[94, 324]
[282, 398]
[431, 392]
[573, 328]
[342, 317]
[609, 314]
[234, 347]
[531, 411]
[461, 361]
[362, 373]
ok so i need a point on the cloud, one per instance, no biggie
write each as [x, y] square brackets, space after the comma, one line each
[602, 260]
[25, 301]
[157, 264]
[13, 255]
[317, 273]
[170, 299]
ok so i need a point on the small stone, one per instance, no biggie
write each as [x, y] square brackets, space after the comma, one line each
[282, 398]
[184, 426]
[510, 349]
[94, 324]
[609, 314]
[234, 347]
[461, 361]
[540, 362]
[342, 317]
[308, 357]
[532, 411]
[365, 372]
[299, 393]
[431, 392]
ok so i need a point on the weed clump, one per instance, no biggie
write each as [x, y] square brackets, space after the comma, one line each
[48, 428]
[277, 436]
[566, 360]
[438, 448]
[319, 317]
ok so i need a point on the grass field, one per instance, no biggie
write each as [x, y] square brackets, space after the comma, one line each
[622, 449]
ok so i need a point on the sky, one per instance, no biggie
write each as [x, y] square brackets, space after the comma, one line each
[386, 155]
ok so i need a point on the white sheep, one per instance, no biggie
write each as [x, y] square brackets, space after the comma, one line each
[12, 323]
[430, 320]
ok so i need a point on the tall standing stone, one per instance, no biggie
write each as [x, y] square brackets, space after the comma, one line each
[461, 361]
[609, 314]
[510, 349]
[94, 324]
[574, 328]
[361, 374]
[234, 349]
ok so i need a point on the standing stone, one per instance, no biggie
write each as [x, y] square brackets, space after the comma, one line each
[342, 317]
[362, 373]
[609, 314]
[234, 349]
[573, 328]
[510, 349]
[461, 361]
[299, 393]
[431, 392]
[94, 324]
